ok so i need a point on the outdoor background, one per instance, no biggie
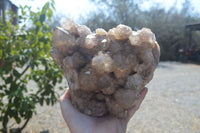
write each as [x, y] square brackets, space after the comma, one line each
[31, 83]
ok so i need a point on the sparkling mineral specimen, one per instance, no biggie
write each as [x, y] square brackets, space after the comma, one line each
[106, 71]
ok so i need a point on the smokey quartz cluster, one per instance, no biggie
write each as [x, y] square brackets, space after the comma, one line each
[106, 71]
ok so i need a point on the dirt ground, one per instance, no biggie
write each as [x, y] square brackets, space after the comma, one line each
[171, 105]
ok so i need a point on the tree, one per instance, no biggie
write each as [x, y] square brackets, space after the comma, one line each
[168, 25]
[25, 57]
[113, 13]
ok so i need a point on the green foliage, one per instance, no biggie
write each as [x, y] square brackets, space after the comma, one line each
[168, 25]
[25, 59]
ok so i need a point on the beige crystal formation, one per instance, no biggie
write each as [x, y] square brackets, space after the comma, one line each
[106, 71]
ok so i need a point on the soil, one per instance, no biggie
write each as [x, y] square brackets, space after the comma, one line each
[171, 105]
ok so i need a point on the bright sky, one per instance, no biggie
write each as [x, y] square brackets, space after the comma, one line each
[70, 8]
[74, 8]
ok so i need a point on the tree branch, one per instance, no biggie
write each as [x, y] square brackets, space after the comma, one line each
[25, 124]
[27, 67]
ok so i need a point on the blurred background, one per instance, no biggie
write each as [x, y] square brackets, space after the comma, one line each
[31, 83]
[169, 20]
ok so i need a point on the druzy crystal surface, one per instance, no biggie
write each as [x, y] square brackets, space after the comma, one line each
[106, 71]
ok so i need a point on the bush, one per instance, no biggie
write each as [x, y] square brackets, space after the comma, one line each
[24, 57]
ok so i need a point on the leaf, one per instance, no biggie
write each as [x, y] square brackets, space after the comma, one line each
[17, 119]
[1, 53]
[16, 101]
[49, 14]
[5, 121]
[61, 88]
[42, 18]
[45, 7]
[16, 73]
[1, 104]
[24, 105]
[24, 80]
[32, 64]
[47, 101]
[9, 79]
[2, 95]
[41, 101]
[54, 81]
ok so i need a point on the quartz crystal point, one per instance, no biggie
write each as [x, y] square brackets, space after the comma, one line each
[106, 71]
